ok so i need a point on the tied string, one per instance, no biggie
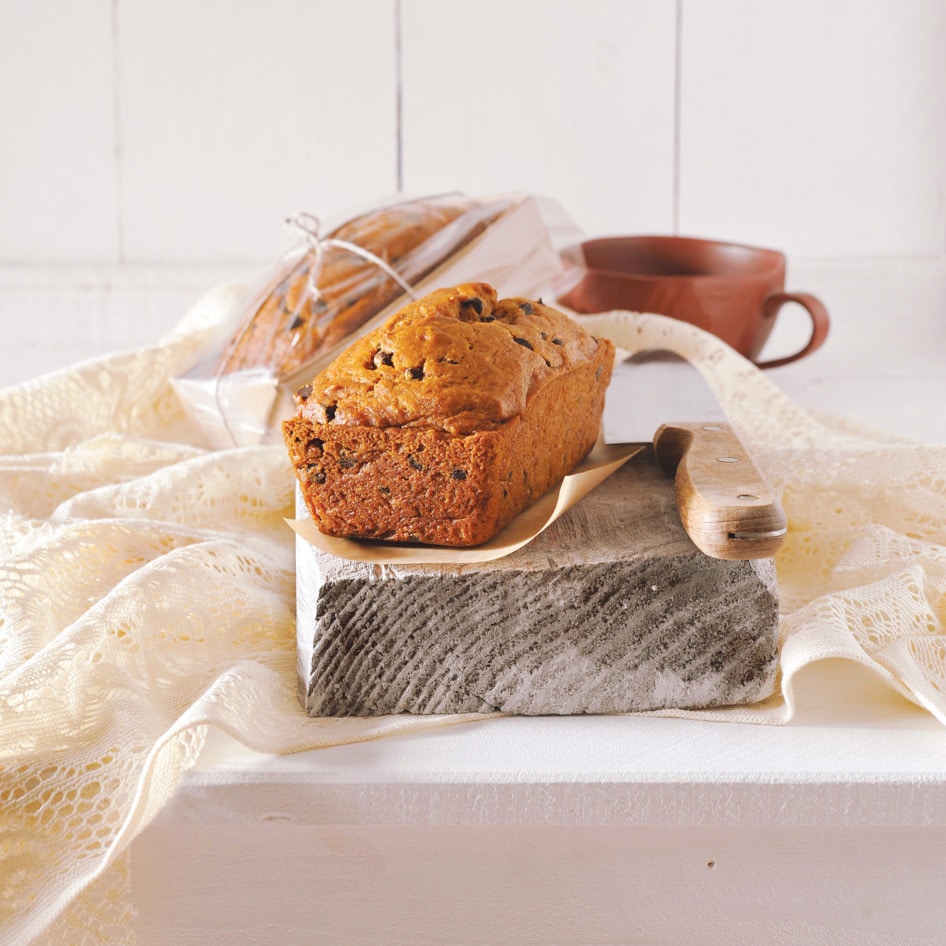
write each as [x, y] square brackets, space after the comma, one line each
[309, 226]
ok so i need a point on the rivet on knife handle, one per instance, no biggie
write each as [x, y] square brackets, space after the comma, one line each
[725, 505]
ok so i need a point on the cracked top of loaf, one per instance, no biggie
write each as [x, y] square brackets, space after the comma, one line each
[459, 360]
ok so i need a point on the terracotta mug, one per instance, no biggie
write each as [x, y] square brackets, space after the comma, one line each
[731, 290]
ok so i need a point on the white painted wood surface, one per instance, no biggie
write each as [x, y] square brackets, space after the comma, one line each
[546, 101]
[817, 127]
[561, 886]
[263, 109]
[58, 161]
[884, 363]
[188, 130]
[566, 831]
[52, 317]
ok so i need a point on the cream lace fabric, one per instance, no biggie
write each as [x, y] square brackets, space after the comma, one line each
[147, 594]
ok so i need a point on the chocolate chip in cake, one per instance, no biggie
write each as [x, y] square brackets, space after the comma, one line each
[487, 318]
[557, 341]
[475, 304]
[319, 478]
[526, 307]
[383, 358]
[458, 475]
[523, 342]
[414, 462]
[384, 490]
[304, 392]
[297, 322]
[415, 374]
[346, 459]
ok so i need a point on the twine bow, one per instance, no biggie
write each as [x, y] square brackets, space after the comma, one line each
[308, 225]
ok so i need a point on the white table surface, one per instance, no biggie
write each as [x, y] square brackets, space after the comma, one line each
[830, 829]
[850, 728]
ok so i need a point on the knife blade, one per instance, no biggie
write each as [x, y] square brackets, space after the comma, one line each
[724, 502]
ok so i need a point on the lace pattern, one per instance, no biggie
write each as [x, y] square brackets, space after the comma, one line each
[147, 594]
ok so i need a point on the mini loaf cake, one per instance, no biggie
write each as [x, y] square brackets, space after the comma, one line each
[446, 422]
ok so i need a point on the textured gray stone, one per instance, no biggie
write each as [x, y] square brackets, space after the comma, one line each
[611, 609]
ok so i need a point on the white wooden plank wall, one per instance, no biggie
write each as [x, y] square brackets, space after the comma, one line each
[149, 149]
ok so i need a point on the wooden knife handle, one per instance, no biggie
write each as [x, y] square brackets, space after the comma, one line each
[725, 505]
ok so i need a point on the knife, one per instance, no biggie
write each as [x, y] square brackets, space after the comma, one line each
[724, 502]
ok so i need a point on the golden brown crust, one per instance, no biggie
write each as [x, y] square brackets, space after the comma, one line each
[458, 359]
[442, 425]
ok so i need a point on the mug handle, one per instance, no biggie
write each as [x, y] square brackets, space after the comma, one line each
[819, 322]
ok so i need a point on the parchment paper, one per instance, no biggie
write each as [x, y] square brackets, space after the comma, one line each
[603, 460]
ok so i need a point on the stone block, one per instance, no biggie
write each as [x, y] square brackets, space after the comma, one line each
[612, 609]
